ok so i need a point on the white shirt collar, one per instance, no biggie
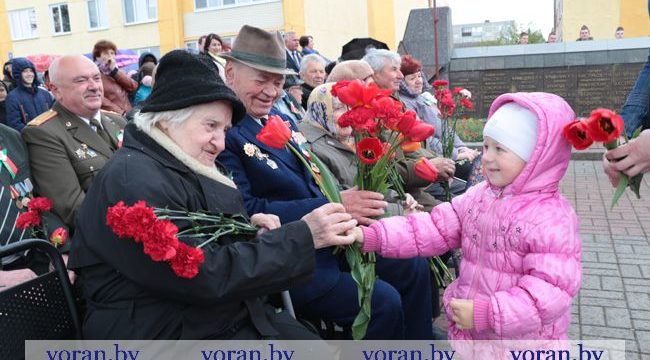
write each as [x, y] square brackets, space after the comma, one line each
[98, 117]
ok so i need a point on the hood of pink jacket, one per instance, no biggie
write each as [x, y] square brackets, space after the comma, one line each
[552, 152]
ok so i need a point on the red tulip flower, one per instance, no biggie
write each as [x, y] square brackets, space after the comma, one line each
[370, 150]
[406, 122]
[577, 135]
[58, 237]
[358, 94]
[420, 131]
[604, 125]
[424, 169]
[275, 133]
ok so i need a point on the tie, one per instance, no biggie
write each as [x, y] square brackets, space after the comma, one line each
[100, 131]
[263, 121]
[296, 58]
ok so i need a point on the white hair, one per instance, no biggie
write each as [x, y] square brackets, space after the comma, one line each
[376, 58]
[311, 58]
[146, 121]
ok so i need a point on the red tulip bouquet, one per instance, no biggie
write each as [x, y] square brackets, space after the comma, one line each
[603, 125]
[34, 220]
[153, 227]
[452, 105]
[380, 128]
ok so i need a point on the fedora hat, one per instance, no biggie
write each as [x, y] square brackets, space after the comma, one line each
[260, 50]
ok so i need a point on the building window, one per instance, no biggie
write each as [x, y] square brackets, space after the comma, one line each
[211, 4]
[60, 18]
[137, 11]
[23, 24]
[97, 16]
[466, 32]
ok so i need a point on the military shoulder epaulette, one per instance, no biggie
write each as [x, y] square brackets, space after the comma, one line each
[42, 118]
[109, 112]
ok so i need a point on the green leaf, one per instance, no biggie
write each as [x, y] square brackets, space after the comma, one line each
[637, 131]
[330, 186]
[635, 184]
[620, 189]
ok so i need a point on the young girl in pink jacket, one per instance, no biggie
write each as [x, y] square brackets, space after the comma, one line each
[518, 234]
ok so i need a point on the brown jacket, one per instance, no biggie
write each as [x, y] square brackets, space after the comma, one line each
[117, 87]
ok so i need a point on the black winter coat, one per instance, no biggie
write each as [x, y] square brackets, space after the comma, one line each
[131, 297]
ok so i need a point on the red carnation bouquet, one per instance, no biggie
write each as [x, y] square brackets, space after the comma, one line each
[452, 105]
[159, 236]
[34, 220]
[603, 125]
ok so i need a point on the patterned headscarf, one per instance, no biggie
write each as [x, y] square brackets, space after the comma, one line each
[320, 108]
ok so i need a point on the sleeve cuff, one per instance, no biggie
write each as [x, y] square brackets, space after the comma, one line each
[370, 239]
[482, 314]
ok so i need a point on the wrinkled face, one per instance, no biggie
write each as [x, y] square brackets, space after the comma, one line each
[314, 75]
[389, 76]
[523, 39]
[257, 89]
[552, 38]
[107, 55]
[215, 47]
[202, 136]
[296, 93]
[78, 86]
[414, 82]
[620, 34]
[291, 41]
[342, 134]
[3, 93]
[584, 34]
[500, 165]
[28, 77]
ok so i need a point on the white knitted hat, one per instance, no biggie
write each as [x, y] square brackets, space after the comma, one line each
[514, 127]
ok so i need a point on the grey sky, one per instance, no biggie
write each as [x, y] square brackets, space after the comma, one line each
[537, 13]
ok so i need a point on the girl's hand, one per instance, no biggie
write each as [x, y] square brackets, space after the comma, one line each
[358, 234]
[463, 311]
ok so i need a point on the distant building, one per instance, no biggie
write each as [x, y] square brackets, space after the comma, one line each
[468, 35]
[602, 17]
[158, 26]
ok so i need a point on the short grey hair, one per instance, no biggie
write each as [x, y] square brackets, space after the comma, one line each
[149, 119]
[53, 69]
[376, 58]
[311, 58]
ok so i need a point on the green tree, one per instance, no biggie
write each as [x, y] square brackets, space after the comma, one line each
[510, 36]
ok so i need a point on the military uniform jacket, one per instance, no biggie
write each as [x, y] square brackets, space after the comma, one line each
[66, 153]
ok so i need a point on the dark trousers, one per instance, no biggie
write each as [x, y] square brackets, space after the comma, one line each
[287, 327]
[401, 301]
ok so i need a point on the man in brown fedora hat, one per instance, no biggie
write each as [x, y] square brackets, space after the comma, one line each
[275, 181]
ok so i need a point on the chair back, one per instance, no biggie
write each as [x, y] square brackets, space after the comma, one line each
[42, 308]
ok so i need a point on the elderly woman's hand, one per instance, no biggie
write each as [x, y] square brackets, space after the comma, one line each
[15, 277]
[411, 206]
[446, 168]
[363, 205]
[330, 225]
[465, 153]
[265, 222]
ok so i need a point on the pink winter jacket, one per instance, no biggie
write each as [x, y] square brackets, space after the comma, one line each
[521, 246]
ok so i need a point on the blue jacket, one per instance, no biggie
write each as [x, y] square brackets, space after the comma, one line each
[23, 104]
[636, 111]
[274, 181]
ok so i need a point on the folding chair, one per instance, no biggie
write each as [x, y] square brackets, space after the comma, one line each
[42, 308]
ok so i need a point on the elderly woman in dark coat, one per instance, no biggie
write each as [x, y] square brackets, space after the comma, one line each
[168, 160]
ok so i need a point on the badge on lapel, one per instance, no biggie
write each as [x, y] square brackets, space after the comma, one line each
[85, 152]
[251, 150]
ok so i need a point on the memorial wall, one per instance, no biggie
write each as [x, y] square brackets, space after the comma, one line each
[584, 87]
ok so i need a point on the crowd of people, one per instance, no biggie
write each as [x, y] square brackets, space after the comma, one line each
[585, 35]
[182, 134]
